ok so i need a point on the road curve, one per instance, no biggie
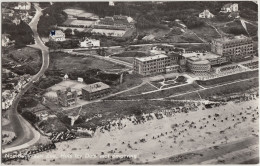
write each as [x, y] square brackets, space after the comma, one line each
[25, 133]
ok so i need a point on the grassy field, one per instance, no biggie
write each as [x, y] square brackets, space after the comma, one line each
[229, 78]
[161, 93]
[206, 32]
[239, 87]
[128, 56]
[144, 88]
[29, 59]
[132, 54]
[67, 62]
[125, 59]
[129, 81]
[195, 47]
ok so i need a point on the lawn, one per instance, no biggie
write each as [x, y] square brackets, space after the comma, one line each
[239, 87]
[162, 93]
[169, 82]
[125, 59]
[144, 88]
[129, 80]
[229, 78]
[67, 62]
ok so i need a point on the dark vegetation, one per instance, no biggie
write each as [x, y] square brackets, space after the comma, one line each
[68, 44]
[150, 15]
[52, 15]
[131, 54]
[28, 58]
[21, 33]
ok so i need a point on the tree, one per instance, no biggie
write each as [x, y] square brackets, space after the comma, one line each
[68, 32]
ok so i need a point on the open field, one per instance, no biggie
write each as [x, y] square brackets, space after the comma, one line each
[128, 56]
[125, 59]
[159, 140]
[229, 78]
[67, 62]
[78, 12]
[79, 22]
[144, 88]
[239, 87]
[160, 94]
[206, 32]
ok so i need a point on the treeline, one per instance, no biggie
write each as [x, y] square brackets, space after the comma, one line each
[21, 33]
[67, 44]
[52, 16]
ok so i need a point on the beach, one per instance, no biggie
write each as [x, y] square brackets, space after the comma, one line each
[158, 138]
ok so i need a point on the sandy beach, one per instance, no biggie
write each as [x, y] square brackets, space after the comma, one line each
[157, 139]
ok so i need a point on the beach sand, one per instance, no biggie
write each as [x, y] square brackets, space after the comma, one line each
[160, 138]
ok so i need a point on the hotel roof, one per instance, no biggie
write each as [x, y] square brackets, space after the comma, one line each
[201, 56]
[98, 86]
[149, 58]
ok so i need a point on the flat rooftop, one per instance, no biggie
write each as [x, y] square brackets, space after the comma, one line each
[98, 86]
[154, 57]
[201, 56]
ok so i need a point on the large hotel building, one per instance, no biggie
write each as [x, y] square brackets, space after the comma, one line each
[223, 51]
[156, 64]
[235, 49]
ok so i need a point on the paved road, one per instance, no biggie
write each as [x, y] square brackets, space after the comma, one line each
[211, 154]
[26, 134]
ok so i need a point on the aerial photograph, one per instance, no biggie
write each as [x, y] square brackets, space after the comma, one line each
[129, 82]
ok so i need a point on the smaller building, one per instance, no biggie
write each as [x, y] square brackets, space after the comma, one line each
[5, 40]
[95, 91]
[227, 8]
[67, 98]
[111, 3]
[90, 43]
[206, 14]
[23, 6]
[57, 35]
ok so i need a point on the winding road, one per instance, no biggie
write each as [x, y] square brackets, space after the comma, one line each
[25, 133]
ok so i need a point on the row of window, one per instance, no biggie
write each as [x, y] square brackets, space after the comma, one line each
[245, 45]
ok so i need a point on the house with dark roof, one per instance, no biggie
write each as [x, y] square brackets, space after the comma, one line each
[95, 91]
